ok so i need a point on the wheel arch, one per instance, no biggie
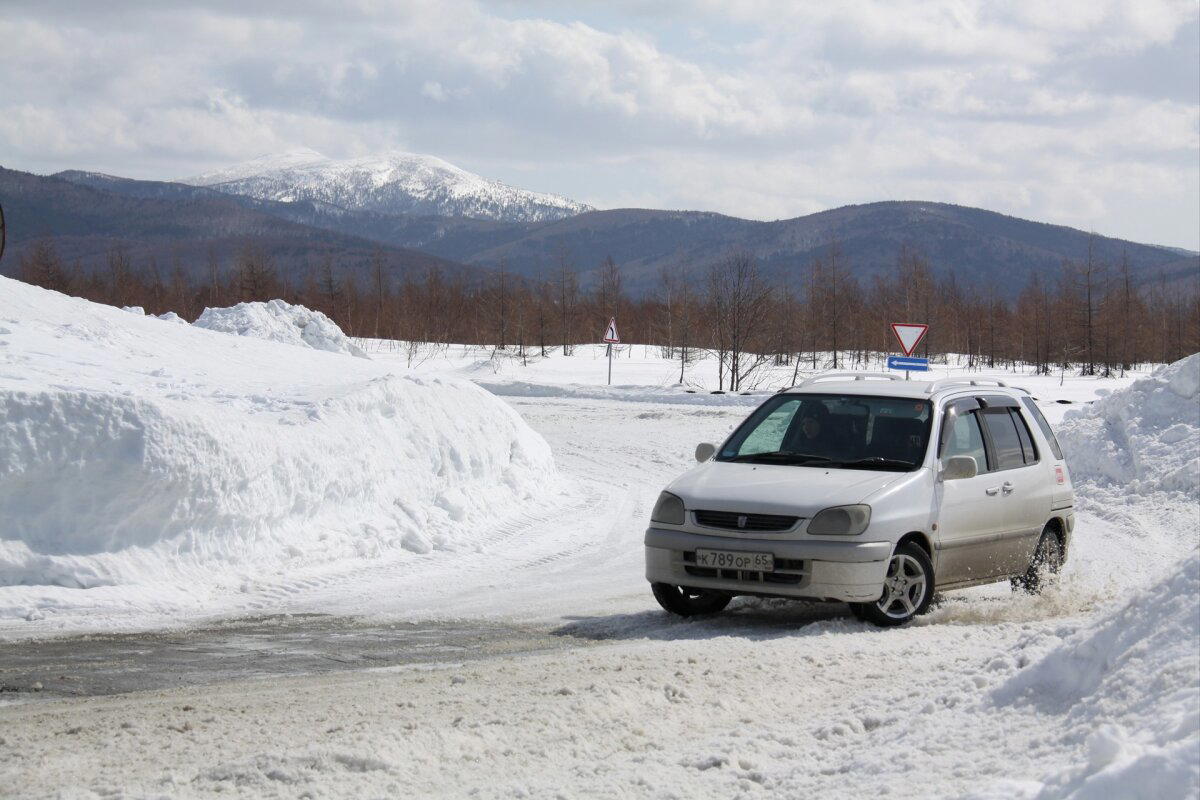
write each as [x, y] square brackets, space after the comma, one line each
[1059, 527]
[921, 540]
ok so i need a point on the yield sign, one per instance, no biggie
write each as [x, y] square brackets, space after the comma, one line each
[909, 334]
[610, 333]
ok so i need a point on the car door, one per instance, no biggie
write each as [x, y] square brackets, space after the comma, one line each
[1023, 490]
[1033, 492]
[971, 511]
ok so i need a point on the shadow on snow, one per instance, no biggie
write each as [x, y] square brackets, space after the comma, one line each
[747, 618]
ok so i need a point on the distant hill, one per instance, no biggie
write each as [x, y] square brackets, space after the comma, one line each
[984, 249]
[86, 214]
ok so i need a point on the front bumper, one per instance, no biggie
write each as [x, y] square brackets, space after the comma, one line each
[851, 571]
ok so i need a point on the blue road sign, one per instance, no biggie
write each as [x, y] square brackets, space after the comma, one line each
[911, 363]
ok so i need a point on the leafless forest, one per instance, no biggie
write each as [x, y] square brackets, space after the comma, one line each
[1092, 317]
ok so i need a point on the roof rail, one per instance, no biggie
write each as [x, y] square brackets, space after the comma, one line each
[842, 376]
[945, 383]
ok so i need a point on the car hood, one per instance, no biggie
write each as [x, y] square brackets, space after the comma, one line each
[776, 489]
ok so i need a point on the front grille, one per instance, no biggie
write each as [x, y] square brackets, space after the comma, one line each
[729, 520]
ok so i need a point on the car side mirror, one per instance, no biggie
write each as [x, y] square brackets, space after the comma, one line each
[704, 451]
[959, 468]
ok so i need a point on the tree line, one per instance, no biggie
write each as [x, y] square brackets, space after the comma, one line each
[1093, 317]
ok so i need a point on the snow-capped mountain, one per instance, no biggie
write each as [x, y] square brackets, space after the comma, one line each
[392, 183]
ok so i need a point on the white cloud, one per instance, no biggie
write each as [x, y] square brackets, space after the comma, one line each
[761, 108]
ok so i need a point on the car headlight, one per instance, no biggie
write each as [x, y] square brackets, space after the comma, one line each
[841, 521]
[668, 509]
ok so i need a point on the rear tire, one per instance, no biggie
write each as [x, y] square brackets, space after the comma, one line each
[687, 602]
[1047, 561]
[907, 589]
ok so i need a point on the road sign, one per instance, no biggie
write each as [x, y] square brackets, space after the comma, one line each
[610, 333]
[909, 334]
[908, 363]
[611, 337]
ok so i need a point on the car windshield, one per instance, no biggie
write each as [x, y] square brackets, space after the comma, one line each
[841, 431]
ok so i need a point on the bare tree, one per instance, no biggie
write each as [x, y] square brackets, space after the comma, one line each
[501, 304]
[609, 293]
[214, 279]
[255, 274]
[44, 268]
[740, 300]
[120, 275]
[1086, 277]
[568, 302]
[380, 290]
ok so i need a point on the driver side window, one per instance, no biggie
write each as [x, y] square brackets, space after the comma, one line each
[964, 438]
[768, 436]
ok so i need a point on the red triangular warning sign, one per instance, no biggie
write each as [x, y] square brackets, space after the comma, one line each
[610, 333]
[909, 334]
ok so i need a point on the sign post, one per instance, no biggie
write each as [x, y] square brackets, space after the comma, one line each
[909, 334]
[611, 337]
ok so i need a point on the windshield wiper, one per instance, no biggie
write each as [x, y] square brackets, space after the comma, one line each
[782, 457]
[877, 462]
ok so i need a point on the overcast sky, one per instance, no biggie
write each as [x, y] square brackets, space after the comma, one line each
[1081, 113]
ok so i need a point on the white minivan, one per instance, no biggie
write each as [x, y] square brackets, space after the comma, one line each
[867, 489]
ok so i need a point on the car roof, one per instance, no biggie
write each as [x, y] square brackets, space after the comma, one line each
[885, 385]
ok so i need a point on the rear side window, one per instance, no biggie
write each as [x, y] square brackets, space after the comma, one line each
[1044, 426]
[1023, 434]
[1005, 442]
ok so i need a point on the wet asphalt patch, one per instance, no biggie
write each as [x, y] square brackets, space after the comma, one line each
[262, 647]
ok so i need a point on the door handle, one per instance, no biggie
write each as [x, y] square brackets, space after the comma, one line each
[993, 491]
[1008, 487]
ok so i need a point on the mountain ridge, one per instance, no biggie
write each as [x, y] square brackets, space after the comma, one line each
[394, 182]
[984, 249]
[178, 226]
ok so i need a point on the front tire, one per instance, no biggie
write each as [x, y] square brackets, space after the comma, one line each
[1047, 561]
[687, 602]
[907, 589]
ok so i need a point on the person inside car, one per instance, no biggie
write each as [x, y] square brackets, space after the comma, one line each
[815, 433]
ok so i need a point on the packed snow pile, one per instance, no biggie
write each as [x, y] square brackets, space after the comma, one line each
[166, 465]
[1128, 688]
[278, 321]
[1143, 439]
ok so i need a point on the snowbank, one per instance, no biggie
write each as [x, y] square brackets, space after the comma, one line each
[162, 466]
[1143, 439]
[278, 321]
[1129, 687]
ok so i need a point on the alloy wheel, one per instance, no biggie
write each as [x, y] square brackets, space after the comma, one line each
[904, 587]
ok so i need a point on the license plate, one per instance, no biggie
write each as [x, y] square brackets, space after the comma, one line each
[731, 559]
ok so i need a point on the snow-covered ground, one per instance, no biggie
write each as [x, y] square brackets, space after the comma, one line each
[1091, 690]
